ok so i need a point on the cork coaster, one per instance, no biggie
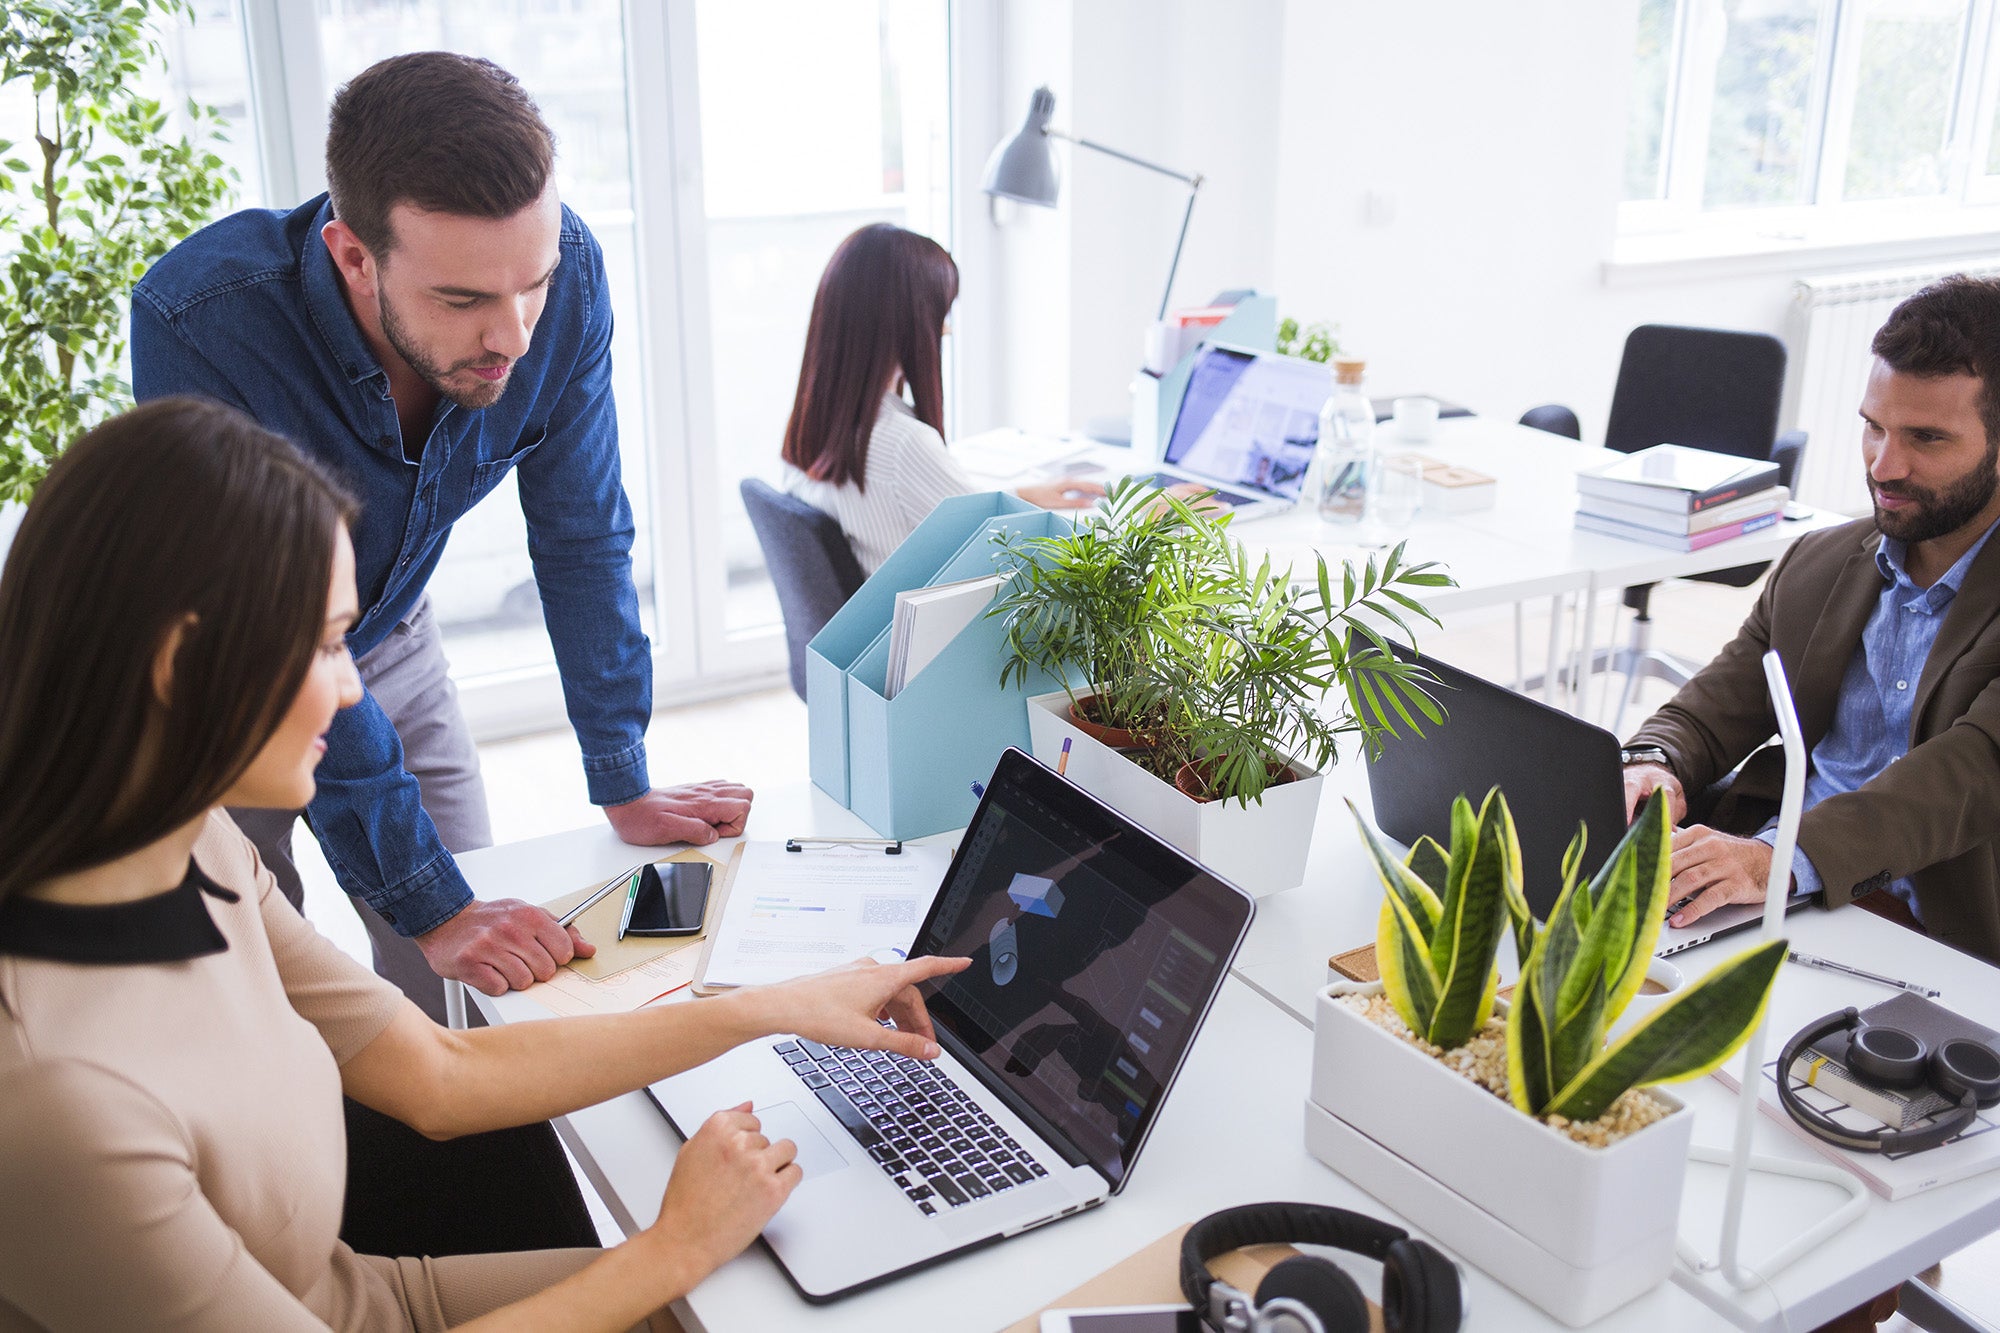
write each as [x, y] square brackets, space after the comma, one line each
[1356, 964]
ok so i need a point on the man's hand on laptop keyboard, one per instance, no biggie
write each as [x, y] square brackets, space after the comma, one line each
[1715, 868]
[845, 1005]
[1640, 779]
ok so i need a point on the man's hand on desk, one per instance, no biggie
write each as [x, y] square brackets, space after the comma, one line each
[1063, 493]
[697, 813]
[1640, 779]
[842, 1006]
[1711, 869]
[501, 945]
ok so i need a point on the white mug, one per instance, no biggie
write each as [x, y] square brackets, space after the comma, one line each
[1416, 418]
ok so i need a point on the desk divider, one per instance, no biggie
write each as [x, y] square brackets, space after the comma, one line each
[906, 765]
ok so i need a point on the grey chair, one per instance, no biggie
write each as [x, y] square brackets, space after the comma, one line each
[1715, 389]
[812, 567]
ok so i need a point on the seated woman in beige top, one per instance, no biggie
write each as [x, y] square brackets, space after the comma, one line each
[854, 447]
[175, 1038]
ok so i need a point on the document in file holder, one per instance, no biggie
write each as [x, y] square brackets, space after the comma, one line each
[928, 619]
[790, 913]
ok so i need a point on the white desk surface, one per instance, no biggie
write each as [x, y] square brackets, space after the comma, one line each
[1233, 1130]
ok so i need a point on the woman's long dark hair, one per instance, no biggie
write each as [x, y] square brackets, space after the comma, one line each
[178, 513]
[880, 309]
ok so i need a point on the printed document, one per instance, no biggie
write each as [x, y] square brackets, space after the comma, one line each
[790, 913]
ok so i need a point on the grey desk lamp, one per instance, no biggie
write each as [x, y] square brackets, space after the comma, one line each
[1024, 168]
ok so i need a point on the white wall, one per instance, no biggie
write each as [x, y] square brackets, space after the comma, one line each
[1440, 179]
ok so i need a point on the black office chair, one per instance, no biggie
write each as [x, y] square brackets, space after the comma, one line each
[812, 566]
[1706, 388]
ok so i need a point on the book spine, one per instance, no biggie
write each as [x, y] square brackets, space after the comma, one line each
[1734, 490]
[1728, 530]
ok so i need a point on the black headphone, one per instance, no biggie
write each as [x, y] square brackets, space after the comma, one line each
[1962, 1069]
[1423, 1290]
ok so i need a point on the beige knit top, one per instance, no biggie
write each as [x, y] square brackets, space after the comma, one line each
[172, 1151]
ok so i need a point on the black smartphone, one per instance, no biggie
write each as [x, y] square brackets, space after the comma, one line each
[670, 898]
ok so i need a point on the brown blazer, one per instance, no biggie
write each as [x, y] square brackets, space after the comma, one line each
[1933, 815]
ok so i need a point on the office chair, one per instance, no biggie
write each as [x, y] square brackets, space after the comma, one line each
[812, 566]
[1705, 388]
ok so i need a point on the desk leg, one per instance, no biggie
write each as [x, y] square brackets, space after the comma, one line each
[1580, 663]
[1552, 677]
[454, 1005]
[1520, 648]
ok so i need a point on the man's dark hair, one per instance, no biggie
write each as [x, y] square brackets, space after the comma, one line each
[443, 132]
[1951, 327]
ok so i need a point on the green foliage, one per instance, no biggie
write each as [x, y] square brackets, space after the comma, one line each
[101, 192]
[1439, 931]
[1155, 611]
[1442, 915]
[1314, 342]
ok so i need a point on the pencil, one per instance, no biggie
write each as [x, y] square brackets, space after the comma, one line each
[1062, 760]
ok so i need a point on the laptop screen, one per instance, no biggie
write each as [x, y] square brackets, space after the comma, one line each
[1096, 950]
[1250, 420]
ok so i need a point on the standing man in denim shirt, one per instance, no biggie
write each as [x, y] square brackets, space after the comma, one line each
[435, 322]
[1889, 629]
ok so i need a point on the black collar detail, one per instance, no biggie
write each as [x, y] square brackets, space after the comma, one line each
[169, 927]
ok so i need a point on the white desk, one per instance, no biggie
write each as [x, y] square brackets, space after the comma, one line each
[1525, 547]
[1233, 1131]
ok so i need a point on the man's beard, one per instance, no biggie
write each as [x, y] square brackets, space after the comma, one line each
[1938, 513]
[472, 400]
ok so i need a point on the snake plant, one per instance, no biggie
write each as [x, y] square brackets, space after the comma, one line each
[1439, 933]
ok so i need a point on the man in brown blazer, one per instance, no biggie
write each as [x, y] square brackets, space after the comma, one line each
[1889, 629]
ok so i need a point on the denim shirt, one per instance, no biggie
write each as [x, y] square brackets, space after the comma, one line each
[1871, 718]
[250, 311]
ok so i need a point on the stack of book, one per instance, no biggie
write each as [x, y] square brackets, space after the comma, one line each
[1680, 498]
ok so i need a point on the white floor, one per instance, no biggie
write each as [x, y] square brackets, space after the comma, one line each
[535, 786]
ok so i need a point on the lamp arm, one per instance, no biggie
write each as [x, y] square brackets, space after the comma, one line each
[1192, 182]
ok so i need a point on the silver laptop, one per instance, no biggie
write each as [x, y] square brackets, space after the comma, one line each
[1097, 952]
[1246, 427]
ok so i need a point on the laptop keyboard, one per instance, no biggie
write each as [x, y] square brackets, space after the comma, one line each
[935, 1142]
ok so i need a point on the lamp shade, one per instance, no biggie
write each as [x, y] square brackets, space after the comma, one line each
[1024, 167]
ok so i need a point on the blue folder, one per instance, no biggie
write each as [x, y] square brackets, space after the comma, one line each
[906, 765]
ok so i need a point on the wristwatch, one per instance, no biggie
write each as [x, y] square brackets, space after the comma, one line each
[1644, 754]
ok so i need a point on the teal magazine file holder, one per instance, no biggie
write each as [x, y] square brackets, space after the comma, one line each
[906, 765]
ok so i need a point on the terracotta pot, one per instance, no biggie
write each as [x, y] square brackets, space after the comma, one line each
[1116, 737]
[1192, 779]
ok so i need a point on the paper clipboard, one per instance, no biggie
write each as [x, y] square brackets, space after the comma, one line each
[599, 925]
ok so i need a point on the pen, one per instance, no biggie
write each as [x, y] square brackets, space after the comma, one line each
[1062, 760]
[573, 913]
[631, 896]
[1828, 965]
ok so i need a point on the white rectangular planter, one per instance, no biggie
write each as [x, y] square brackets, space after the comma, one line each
[1577, 1230]
[1261, 847]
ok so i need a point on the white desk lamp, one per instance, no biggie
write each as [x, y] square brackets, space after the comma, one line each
[1739, 1159]
[1023, 168]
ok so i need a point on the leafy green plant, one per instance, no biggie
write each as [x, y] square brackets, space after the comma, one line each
[1159, 616]
[1439, 932]
[1314, 342]
[102, 192]
[1243, 678]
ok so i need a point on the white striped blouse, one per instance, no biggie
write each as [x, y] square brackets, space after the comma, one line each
[908, 473]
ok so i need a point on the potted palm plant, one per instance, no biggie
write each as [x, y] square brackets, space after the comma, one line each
[1220, 669]
[1561, 1169]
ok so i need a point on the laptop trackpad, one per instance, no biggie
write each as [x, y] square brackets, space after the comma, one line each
[784, 1120]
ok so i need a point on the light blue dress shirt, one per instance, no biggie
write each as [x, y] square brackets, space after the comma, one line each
[1871, 718]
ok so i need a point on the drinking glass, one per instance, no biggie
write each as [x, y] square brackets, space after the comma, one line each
[1396, 496]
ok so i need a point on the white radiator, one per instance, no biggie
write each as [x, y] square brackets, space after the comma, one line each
[1833, 319]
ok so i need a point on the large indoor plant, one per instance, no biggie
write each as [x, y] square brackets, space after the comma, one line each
[1229, 677]
[100, 190]
[1577, 1160]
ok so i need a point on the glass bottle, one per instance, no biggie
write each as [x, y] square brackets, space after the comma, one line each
[1346, 456]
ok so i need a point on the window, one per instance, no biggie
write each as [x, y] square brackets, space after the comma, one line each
[1780, 112]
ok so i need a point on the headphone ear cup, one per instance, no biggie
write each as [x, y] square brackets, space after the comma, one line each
[1420, 1289]
[1322, 1287]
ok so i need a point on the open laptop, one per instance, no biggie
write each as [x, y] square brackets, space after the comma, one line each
[1097, 952]
[1556, 770]
[1246, 427]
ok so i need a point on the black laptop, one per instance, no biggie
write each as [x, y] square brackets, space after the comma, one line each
[1556, 770]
